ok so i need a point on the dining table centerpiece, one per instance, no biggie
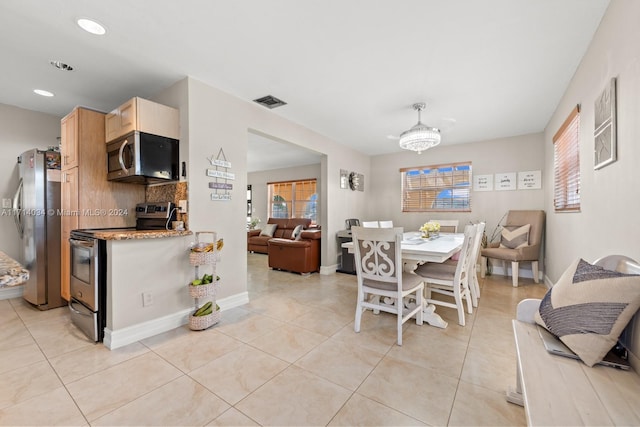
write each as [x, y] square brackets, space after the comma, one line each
[430, 229]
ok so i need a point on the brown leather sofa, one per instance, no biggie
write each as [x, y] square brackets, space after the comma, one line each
[284, 230]
[300, 256]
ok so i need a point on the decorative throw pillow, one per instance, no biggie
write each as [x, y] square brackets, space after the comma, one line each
[588, 308]
[268, 230]
[295, 235]
[514, 237]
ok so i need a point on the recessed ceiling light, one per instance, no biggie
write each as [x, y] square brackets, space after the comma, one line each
[43, 92]
[91, 26]
[61, 65]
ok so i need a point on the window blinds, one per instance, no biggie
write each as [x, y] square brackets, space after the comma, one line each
[436, 188]
[566, 163]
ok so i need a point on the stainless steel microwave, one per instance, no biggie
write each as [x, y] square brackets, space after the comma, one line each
[143, 158]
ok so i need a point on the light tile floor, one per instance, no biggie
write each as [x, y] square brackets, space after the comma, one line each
[289, 357]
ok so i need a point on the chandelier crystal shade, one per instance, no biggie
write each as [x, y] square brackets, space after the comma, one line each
[420, 137]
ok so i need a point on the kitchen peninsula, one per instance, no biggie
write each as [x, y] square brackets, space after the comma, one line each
[146, 275]
[128, 284]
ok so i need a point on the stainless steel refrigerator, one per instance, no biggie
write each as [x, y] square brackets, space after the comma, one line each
[36, 207]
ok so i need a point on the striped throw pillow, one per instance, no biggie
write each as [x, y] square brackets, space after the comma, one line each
[514, 237]
[588, 308]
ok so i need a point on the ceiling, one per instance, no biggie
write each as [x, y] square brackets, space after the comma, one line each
[349, 70]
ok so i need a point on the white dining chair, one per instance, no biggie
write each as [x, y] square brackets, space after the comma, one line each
[370, 224]
[474, 284]
[385, 224]
[382, 282]
[451, 280]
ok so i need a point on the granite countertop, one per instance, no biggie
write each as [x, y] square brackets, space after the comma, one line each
[140, 234]
[11, 272]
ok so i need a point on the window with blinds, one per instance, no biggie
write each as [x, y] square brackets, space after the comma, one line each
[437, 188]
[293, 199]
[566, 164]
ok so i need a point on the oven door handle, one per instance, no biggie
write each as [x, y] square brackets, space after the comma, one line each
[74, 311]
[83, 243]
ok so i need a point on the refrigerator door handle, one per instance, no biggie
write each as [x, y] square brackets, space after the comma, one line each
[17, 209]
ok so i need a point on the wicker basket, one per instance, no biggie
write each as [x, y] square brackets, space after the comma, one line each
[201, 291]
[200, 323]
[202, 258]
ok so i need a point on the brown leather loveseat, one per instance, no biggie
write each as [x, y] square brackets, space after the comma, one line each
[299, 253]
[257, 240]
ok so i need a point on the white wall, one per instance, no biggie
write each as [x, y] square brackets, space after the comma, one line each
[607, 222]
[259, 180]
[20, 130]
[515, 154]
[217, 120]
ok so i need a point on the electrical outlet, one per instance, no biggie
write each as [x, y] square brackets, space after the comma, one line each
[147, 299]
[182, 205]
[6, 203]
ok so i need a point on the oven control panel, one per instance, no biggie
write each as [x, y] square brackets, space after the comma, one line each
[155, 210]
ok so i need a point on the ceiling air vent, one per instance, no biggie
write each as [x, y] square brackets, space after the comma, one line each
[270, 101]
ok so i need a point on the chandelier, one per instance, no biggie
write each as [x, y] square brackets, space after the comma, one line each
[420, 137]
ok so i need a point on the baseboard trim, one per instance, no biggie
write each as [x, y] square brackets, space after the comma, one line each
[233, 301]
[9, 292]
[328, 269]
[140, 331]
[499, 271]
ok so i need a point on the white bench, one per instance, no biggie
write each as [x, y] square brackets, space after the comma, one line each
[559, 391]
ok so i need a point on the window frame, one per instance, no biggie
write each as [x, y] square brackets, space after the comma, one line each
[566, 164]
[292, 199]
[428, 193]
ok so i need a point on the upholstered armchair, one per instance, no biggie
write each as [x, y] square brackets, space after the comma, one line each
[527, 250]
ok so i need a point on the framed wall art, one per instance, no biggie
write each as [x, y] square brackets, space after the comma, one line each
[483, 183]
[505, 181]
[530, 180]
[605, 127]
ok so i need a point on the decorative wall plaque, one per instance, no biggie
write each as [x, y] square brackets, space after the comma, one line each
[220, 171]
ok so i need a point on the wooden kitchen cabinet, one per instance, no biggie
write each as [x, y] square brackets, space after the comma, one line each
[87, 198]
[142, 115]
[68, 140]
[68, 222]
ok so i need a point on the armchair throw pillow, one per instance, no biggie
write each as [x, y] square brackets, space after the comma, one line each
[268, 230]
[514, 237]
[588, 308]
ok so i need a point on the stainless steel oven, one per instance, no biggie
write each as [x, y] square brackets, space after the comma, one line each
[88, 265]
[88, 284]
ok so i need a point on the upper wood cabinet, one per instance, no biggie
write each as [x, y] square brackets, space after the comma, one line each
[145, 116]
[69, 141]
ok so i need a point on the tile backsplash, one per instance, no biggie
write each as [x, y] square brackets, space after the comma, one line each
[173, 192]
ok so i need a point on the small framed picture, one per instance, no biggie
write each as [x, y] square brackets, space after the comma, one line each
[605, 127]
[505, 181]
[483, 183]
[530, 180]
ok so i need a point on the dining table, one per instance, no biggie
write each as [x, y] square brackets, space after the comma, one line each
[417, 250]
